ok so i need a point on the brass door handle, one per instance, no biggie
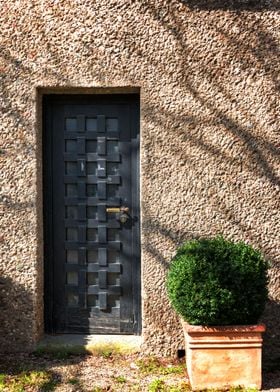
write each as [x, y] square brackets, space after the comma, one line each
[117, 209]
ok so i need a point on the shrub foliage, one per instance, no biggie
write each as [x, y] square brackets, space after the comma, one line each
[218, 282]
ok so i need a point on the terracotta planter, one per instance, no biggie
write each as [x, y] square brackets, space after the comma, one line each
[220, 357]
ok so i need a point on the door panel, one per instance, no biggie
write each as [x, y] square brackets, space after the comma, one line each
[92, 254]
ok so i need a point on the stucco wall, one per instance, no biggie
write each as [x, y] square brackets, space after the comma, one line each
[208, 77]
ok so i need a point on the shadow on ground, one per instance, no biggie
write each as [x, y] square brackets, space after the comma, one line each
[37, 371]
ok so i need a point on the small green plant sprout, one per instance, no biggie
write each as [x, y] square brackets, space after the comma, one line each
[182, 387]
[41, 380]
[152, 365]
[97, 389]
[156, 385]
[148, 365]
[74, 381]
[106, 353]
[120, 379]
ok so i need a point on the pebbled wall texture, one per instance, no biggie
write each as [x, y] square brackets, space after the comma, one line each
[208, 76]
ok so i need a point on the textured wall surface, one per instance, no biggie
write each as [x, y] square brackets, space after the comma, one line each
[208, 73]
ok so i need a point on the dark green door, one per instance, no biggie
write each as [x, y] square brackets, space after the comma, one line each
[91, 210]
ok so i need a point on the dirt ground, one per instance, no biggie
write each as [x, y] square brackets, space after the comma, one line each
[62, 372]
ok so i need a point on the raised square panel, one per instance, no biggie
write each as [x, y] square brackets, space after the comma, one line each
[91, 190]
[71, 190]
[101, 145]
[92, 278]
[113, 279]
[72, 278]
[103, 301]
[92, 256]
[113, 301]
[112, 124]
[113, 234]
[72, 257]
[101, 168]
[91, 168]
[112, 190]
[102, 214]
[102, 190]
[92, 300]
[113, 256]
[81, 167]
[91, 212]
[102, 279]
[91, 234]
[102, 234]
[112, 168]
[91, 146]
[112, 147]
[102, 257]
[71, 168]
[72, 299]
[91, 124]
[71, 212]
[72, 234]
[71, 124]
[70, 145]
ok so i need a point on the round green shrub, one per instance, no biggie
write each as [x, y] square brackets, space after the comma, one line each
[218, 282]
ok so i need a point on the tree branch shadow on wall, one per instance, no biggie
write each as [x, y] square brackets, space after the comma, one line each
[12, 320]
[261, 44]
[260, 151]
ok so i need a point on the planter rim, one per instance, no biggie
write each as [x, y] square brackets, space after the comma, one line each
[225, 328]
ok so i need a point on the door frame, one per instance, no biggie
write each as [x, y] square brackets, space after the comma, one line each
[47, 100]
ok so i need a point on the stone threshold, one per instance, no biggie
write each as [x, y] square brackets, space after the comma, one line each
[95, 344]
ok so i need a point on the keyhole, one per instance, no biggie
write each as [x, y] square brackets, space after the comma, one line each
[123, 217]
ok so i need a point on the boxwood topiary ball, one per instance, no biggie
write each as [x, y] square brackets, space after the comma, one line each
[218, 282]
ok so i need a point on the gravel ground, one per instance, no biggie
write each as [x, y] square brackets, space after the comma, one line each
[83, 373]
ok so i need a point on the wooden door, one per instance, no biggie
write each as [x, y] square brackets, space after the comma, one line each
[91, 211]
